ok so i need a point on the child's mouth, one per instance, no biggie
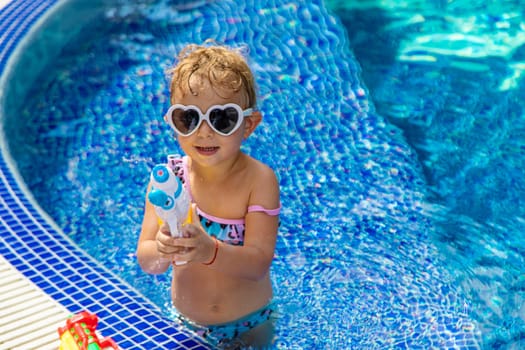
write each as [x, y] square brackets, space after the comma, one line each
[207, 150]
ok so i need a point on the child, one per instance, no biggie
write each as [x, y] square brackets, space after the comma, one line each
[224, 290]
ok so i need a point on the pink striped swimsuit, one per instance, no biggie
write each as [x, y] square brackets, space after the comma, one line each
[230, 231]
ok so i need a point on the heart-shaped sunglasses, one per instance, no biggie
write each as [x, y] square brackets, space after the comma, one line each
[223, 119]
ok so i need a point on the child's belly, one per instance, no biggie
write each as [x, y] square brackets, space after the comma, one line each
[209, 297]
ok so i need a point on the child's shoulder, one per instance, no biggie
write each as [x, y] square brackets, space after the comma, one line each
[262, 173]
[264, 186]
[258, 166]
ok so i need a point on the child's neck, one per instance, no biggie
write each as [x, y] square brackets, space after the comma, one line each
[220, 172]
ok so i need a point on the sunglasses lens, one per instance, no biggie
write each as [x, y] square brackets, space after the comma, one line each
[225, 120]
[185, 120]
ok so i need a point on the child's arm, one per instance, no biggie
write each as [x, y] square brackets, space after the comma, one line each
[148, 255]
[253, 260]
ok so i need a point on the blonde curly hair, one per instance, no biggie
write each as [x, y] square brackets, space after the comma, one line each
[224, 68]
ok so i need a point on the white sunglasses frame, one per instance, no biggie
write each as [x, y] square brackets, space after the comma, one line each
[206, 117]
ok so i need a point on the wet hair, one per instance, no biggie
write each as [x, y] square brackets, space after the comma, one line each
[225, 69]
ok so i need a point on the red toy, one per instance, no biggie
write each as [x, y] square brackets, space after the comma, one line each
[79, 334]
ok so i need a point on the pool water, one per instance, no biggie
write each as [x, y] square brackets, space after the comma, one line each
[450, 75]
[396, 232]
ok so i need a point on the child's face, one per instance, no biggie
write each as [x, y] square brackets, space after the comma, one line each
[205, 145]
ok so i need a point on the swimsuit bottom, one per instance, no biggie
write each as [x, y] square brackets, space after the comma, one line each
[225, 333]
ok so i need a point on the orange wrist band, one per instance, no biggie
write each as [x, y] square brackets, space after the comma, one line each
[215, 253]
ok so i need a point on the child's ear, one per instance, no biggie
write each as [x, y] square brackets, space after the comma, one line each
[251, 122]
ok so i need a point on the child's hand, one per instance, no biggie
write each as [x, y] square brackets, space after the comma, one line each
[195, 245]
[168, 246]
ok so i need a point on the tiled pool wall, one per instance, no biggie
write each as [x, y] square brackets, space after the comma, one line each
[40, 251]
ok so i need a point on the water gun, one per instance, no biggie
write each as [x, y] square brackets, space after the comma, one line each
[79, 334]
[170, 199]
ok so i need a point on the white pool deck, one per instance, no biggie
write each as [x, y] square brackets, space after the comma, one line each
[29, 317]
[4, 2]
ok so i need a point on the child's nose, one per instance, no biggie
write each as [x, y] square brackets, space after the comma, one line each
[205, 129]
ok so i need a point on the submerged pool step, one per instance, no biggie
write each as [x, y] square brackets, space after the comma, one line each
[29, 318]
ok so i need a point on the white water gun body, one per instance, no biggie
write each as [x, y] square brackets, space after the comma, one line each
[170, 199]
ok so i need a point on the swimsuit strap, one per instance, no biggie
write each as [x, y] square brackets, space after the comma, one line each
[260, 208]
[185, 174]
[179, 165]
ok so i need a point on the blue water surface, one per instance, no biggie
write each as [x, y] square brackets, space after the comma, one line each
[450, 75]
[399, 174]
